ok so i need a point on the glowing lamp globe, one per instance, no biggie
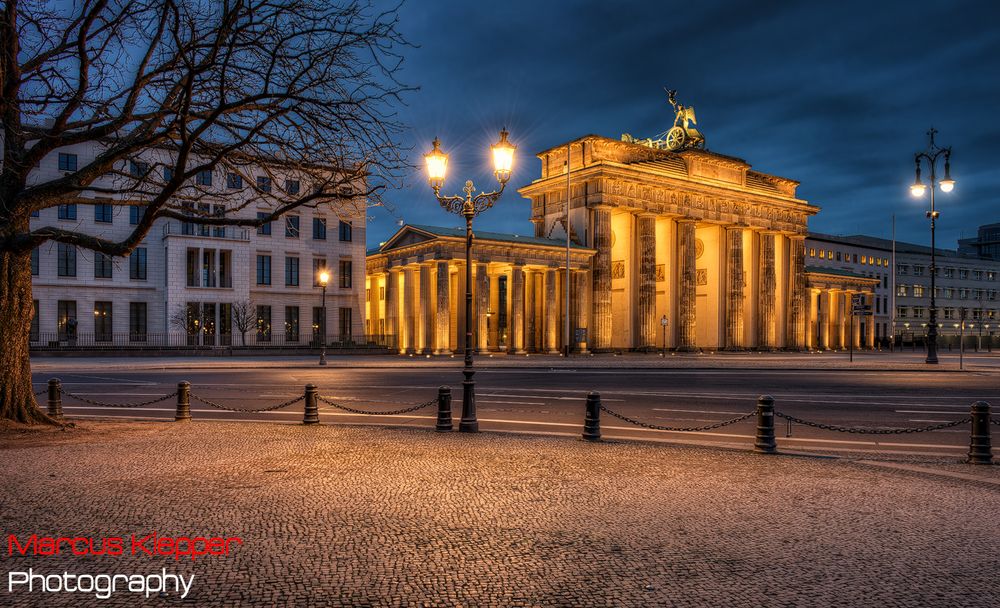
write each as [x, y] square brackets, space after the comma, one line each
[437, 165]
[503, 157]
[324, 278]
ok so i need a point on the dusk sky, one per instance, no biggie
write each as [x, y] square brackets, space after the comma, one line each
[838, 96]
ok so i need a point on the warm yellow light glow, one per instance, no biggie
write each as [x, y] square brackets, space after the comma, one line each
[503, 157]
[324, 278]
[947, 185]
[437, 164]
[917, 190]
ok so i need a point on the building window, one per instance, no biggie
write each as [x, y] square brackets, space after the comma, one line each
[67, 162]
[203, 178]
[263, 229]
[66, 319]
[812, 252]
[319, 265]
[35, 329]
[292, 186]
[346, 324]
[990, 275]
[901, 290]
[918, 271]
[838, 256]
[226, 323]
[319, 228]
[918, 291]
[263, 270]
[292, 227]
[949, 292]
[346, 274]
[168, 174]
[234, 181]
[963, 294]
[918, 312]
[102, 213]
[102, 321]
[35, 258]
[902, 269]
[187, 228]
[949, 313]
[208, 268]
[949, 273]
[136, 213]
[864, 259]
[381, 293]
[963, 274]
[855, 258]
[291, 323]
[66, 212]
[137, 264]
[292, 271]
[137, 168]
[977, 275]
[263, 183]
[66, 255]
[192, 267]
[137, 321]
[345, 231]
[901, 312]
[822, 254]
[204, 210]
[263, 323]
[319, 325]
[225, 268]
[219, 211]
[102, 266]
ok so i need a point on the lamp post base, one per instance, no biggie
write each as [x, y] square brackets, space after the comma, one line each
[469, 422]
[322, 357]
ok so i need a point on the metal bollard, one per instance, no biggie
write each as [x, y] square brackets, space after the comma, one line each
[592, 420]
[764, 442]
[55, 399]
[980, 446]
[311, 414]
[183, 402]
[444, 410]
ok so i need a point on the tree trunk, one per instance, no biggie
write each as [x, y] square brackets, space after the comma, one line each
[17, 399]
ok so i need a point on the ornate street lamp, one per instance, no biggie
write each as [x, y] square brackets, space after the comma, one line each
[469, 207]
[324, 278]
[917, 189]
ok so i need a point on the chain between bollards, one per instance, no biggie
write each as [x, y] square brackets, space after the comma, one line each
[764, 442]
[592, 419]
[444, 423]
[55, 399]
[980, 443]
[183, 402]
[311, 412]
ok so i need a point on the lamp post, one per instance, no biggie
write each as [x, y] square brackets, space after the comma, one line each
[324, 278]
[469, 207]
[917, 189]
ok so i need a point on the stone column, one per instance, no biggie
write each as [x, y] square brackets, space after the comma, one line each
[734, 288]
[409, 310]
[810, 330]
[442, 320]
[374, 314]
[601, 328]
[766, 311]
[870, 323]
[580, 281]
[837, 320]
[551, 313]
[796, 292]
[517, 310]
[425, 335]
[856, 334]
[645, 243]
[392, 324]
[825, 300]
[687, 291]
[482, 307]
[529, 311]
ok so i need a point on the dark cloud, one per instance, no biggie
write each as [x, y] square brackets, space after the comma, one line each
[836, 95]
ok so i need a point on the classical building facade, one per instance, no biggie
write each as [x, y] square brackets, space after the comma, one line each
[692, 238]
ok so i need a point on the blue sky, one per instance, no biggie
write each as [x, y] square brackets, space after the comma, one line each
[837, 95]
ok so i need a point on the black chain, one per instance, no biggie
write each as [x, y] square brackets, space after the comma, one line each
[690, 429]
[871, 431]
[995, 421]
[106, 404]
[41, 392]
[247, 410]
[405, 410]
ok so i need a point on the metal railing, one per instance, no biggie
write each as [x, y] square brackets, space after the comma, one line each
[63, 341]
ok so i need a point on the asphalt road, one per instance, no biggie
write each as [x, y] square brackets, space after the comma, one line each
[552, 400]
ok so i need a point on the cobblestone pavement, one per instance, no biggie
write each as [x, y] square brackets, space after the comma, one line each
[361, 516]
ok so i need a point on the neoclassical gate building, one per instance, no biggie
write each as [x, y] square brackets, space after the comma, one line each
[693, 236]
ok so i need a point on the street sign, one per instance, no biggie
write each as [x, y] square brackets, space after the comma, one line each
[858, 299]
[580, 335]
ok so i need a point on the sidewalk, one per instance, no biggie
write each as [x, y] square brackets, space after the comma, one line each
[350, 516]
[867, 361]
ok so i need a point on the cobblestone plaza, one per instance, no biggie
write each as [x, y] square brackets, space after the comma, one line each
[358, 516]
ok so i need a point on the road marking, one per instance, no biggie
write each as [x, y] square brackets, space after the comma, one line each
[513, 402]
[662, 409]
[927, 412]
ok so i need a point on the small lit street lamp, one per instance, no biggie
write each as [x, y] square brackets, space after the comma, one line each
[324, 278]
[469, 207]
[917, 189]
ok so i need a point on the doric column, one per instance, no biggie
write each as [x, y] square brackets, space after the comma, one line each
[580, 281]
[392, 324]
[766, 311]
[529, 311]
[796, 292]
[810, 330]
[734, 288]
[482, 307]
[442, 320]
[517, 310]
[837, 320]
[374, 314]
[409, 309]
[425, 333]
[856, 333]
[825, 301]
[870, 322]
[601, 339]
[686, 295]
[551, 313]
[646, 244]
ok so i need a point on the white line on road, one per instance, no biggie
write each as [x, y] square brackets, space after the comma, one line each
[513, 402]
[663, 409]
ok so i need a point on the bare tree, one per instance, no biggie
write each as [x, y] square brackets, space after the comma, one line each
[167, 89]
[244, 318]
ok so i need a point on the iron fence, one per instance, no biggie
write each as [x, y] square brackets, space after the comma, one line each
[62, 341]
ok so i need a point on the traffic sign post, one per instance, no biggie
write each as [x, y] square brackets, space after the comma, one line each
[664, 322]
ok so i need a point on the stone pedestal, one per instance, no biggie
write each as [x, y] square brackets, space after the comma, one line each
[646, 253]
[734, 288]
[766, 309]
[442, 325]
[601, 327]
[687, 290]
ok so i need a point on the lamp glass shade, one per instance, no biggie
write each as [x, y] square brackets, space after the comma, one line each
[437, 164]
[503, 157]
[324, 278]
[947, 185]
[917, 189]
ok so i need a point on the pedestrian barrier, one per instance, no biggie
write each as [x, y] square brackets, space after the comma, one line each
[310, 411]
[980, 441]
